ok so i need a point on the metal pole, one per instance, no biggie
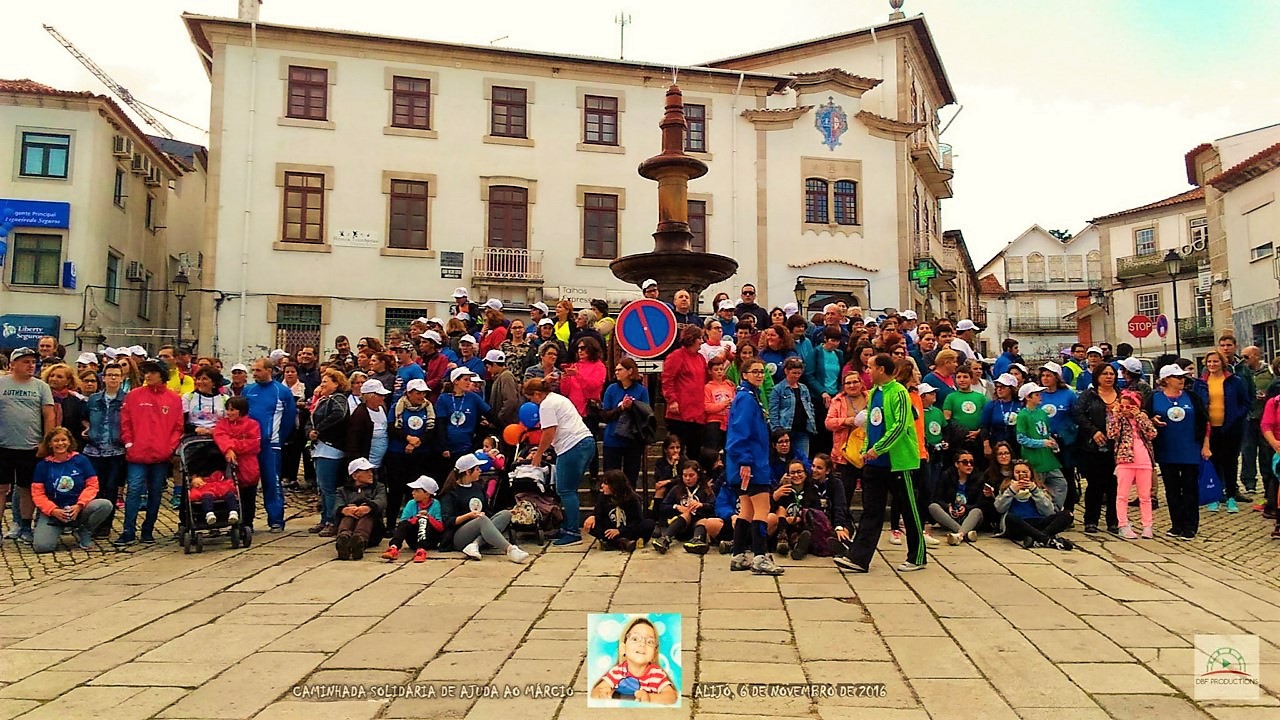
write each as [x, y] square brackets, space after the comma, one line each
[1177, 334]
[180, 299]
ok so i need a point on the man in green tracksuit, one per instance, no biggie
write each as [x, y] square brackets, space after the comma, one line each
[891, 454]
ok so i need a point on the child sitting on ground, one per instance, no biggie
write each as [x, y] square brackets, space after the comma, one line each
[618, 521]
[420, 525]
[690, 509]
[208, 490]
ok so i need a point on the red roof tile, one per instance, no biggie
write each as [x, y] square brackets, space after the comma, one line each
[989, 285]
[1188, 196]
[1251, 168]
[1191, 161]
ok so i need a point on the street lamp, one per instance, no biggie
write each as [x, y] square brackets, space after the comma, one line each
[180, 284]
[1173, 263]
[800, 291]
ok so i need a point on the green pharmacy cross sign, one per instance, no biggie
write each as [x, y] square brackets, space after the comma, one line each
[924, 272]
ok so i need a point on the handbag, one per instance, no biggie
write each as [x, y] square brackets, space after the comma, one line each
[1210, 484]
[854, 444]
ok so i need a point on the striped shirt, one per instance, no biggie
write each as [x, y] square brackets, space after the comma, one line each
[651, 681]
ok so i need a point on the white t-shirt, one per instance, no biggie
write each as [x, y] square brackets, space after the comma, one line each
[558, 412]
[204, 411]
[711, 352]
[962, 347]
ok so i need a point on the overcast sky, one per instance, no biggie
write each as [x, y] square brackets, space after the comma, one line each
[1071, 108]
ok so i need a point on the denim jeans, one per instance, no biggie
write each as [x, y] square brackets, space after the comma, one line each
[272, 493]
[328, 475]
[570, 467]
[149, 477]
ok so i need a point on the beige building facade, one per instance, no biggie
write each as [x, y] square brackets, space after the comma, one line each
[356, 180]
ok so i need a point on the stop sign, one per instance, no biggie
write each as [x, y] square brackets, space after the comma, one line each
[1140, 326]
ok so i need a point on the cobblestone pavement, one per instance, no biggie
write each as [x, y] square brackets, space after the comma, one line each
[986, 630]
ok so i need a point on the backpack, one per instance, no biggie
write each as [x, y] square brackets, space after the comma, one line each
[854, 445]
[821, 534]
[532, 509]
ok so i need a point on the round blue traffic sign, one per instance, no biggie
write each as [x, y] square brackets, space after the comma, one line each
[1162, 326]
[646, 328]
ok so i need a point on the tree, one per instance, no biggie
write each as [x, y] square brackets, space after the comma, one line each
[1062, 235]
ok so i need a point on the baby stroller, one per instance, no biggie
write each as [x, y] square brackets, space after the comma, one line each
[200, 456]
[536, 508]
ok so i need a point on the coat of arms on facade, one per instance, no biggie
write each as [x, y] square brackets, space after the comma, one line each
[831, 121]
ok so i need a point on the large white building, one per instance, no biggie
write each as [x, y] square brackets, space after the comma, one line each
[92, 218]
[355, 179]
[1039, 284]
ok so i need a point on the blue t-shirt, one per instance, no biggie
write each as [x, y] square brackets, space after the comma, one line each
[461, 416]
[405, 373]
[999, 418]
[612, 396]
[876, 427]
[1057, 405]
[64, 481]
[1176, 442]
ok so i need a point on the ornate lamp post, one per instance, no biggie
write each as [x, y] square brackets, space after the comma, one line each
[180, 284]
[1172, 264]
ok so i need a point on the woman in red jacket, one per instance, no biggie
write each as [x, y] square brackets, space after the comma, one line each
[684, 380]
[151, 426]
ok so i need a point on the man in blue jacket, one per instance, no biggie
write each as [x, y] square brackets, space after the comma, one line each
[273, 406]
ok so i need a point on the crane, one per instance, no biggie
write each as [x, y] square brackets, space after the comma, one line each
[120, 91]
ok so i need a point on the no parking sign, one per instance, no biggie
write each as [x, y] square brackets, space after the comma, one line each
[646, 328]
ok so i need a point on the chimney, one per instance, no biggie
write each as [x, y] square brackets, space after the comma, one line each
[249, 10]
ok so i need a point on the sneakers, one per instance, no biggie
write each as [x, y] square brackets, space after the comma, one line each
[1113, 529]
[801, 547]
[661, 544]
[738, 562]
[316, 528]
[1147, 533]
[210, 518]
[895, 537]
[233, 517]
[1212, 507]
[954, 538]
[147, 539]
[26, 537]
[845, 563]
[1091, 529]
[725, 547]
[1241, 497]
[14, 531]
[125, 539]
[472, 550]
[276, 529]
[1275, 534]
[1231, 506]
[1058, 543]
[391, 553]
[626, 546]
[784, 546]
[516, 555]
[1031, 543]
[84, 539]
[343, 544]
[1171, 534]
[909, 567]
[971, 536]
[568, 538]
[420, 555]
[764, 565]
[1127, 533]
[698, 545]
[931, 541]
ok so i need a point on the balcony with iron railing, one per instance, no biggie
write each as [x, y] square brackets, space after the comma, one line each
[506, 265]
[1134, 266]
[1058, 285]
[933, 160]
[1195, 329]
[1041, 325]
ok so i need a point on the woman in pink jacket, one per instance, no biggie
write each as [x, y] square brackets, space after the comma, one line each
[1271, 433]
[842, 417]
[684, 379]
[582, 381]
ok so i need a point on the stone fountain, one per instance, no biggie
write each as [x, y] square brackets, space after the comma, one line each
[672, 263]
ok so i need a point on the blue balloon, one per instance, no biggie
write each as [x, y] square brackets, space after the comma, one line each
[529, 414]
[628, 686]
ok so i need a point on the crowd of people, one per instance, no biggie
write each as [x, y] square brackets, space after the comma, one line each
[778, 427]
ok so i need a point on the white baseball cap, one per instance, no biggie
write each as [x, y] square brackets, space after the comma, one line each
[790, 309]
[467, 339]
[1093, 349]
[541, 306]
[467, 462]
[726, 305]
[925, 388]
[137, 350]
[497, 357]
[436, 321]
[416, 384]
[239, 367]
[1172, 370]
[421, 319]
[110, 352]
[1052, 367]
[493, 303]
[277, 354]
[464, 317]
[427, 483]
[359, 464]
[546, 321]
[1025, 370]
[1007, 379]
[1029, 388]
[433, 336]
[87, 358]
[648, 284]
[1133, 365]
[909, 315]
[373, 386]
[965, 325]
[460, 293]
[461, 372]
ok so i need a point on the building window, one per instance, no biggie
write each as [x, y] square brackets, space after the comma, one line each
[1148, 304]
[600, 120]
[144, 297]
[1035, 268]
[846, 202]
[149, 217]
[1093, 264]
[113, 278]
[1057, 268]
[600, 226]
[408, 215]
[508, 217]
[297, 326]
[36, 259]
[698, 225]
[1013, 267]
[303, 207]
[1204, 307]
[1144, 241]
[45, 155]
[1075, 268]
[1265, 250]
[308, 93]
[815, 201]
[1198, 230]
[118, 194]
[696, 139]
[1027, 310]
[400, 318]
[411, 103]
[509, 113]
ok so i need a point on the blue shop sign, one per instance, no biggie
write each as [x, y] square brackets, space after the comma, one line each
[25, 330]
[33, 213]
